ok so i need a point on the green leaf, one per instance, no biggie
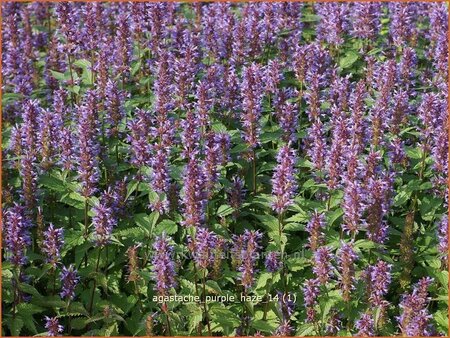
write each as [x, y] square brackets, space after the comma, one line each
[52, 183]
[15, 325]
[58, 76]
[167, 226]
[306, 330]
[264, 326]
[349, 59]
[224, 210]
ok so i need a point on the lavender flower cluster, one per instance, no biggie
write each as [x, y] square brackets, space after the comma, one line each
[290, 156]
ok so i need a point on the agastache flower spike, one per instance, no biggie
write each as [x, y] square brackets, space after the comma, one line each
[52, 244]
[50, 124]
[236, 194]
[365, 325]
[193, 196]
[442, 231]
[366, 21]
[69, 278]
[380, 276]
[53, 327]
[272, 76]
[353, 205]
[317, 150]
[333, 23]
[114, 107]
[104, 222]
[322, 267]
[202, 247]
[160, 179]
[246, 247]
[29, 179]
[415, 318]
[163, 266]
[402, 26]
[138, 138]
[284, 184]
[251, 91]
[346, 257]
[17, 235]
[288, 120]
[315, 228]
[377, 206]
[311, 292]
[272, 261]
[88, 145]
[190, 136]
[67, 149]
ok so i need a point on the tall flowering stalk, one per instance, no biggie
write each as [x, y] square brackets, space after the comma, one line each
[315, 228]
[163, 268]
[17, 235]
[52, 244]
[88, 145]
[333, 22]
[246, 250]
[322, 266]
[366, 22]
[377, 205]
[193, 197]
[311, 293]
[442, 231]
[365, 325]
[53, 326]
[284, 184]
[104, 222]
[70, 279]
[415, 318]
[346, 257]
[251, 91]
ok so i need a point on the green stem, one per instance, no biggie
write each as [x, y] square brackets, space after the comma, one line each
[254, 172]
[91, 303]
[205, 307]
[169, 329]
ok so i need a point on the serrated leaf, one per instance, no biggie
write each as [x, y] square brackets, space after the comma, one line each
[264, 326]
[224, 210]
[349, 59]
[167, 226]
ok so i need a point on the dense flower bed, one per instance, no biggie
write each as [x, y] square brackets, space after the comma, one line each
[225, 169]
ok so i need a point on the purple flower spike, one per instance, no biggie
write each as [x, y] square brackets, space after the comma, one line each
[380, 276]
[69, 278]
[443, 237]
[202, 247]
[53, 327]
[193, 196]
[315, 228]
[366, 22]
[322, 264]
[365, 326]
[246, 252]
[346, 257]
[284, 183]
[88, 145]
[251, 91]
[272, 261]
[52, 244]
[311, 292]
[17, 235]
[415, 318]
[163, 265]
[104, 222]
[333, 22]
